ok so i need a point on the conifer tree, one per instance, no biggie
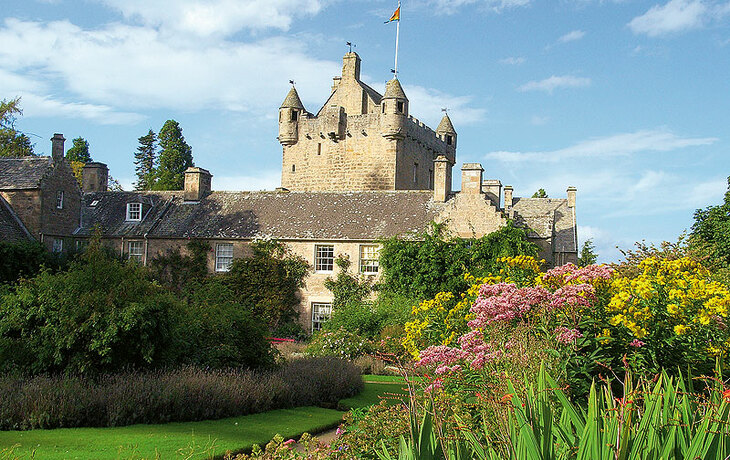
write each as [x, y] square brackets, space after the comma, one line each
[145, 160]
[77, 156]
[175, 157]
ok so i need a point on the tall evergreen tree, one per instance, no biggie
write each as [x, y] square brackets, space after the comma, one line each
[12, 142]
[175, 157]
[540, 194]
[145, 160]
[587, 254]
[79, 151]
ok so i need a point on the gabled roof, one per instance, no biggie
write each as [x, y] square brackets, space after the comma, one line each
[11, 228]
[249, 215]
[23, 173]
[548, 217]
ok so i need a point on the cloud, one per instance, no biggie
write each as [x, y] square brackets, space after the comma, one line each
[554, 82]
[658, 140]
[45, 106]
[452, 6]
[134, 68]
[512, 60]
[677, 16]
[572, 36]
[216, 17]
[428, 103]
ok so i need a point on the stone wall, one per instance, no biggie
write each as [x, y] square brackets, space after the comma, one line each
[27, 206]
[471, 215]
[60, 222]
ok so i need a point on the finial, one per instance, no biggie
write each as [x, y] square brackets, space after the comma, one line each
[351, 46]
[445, 110]
[292, 82]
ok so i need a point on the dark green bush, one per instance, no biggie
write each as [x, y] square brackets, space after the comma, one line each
[186, 394]
[26, 259]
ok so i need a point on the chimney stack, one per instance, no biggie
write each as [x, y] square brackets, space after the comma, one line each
[441, 179]
[197, 183]
[57, 150]
[471, 178]
[493, 189]
[508, 199]
[95, 177]
[571, 196]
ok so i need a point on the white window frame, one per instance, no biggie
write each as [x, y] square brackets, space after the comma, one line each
[58, 245]
[138, 254]
[134, 212]
[321, 313]
[223, 257]
[59, 199]
[324, 263]
[369, 263]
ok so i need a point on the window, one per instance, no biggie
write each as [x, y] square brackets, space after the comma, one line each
[57, 245]
[223, 256]
[400, 106]
[81, 245]
[294, 115]
[430, 178]
[319, 148]
[383, 107]
[324, 258]
[59, 199]
[449, 139]
[369, 254]
[134, 211]
[136, 251]
[415, 173]
[293, 168]
[321, 312]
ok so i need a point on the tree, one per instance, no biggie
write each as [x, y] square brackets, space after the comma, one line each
[587, 256]
[12, 142]
[175, 157]
[540, 194]
[145, 160]
[711, 233]
[77, 156]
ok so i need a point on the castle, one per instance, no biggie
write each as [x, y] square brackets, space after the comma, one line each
[358, 170]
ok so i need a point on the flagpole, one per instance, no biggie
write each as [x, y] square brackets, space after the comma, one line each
[397, 36]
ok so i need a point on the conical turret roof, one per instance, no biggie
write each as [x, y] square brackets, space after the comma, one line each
[393, 90]
[446, 126]
[292, 100]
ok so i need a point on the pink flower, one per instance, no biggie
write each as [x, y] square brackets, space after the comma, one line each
[437, 384]
[290, 441]
[573, 295]
[637, 343]
[505, 302]
[567, 336]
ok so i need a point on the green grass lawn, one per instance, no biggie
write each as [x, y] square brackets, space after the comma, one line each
[194, 440]
[190, 440]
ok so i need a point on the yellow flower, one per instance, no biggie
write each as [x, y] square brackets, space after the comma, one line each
[680, 329]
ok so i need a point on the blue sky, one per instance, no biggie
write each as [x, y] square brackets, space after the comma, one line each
[626, 100]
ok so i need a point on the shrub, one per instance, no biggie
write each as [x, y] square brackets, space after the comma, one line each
[339, 343]
[26, 259]
[185, 394]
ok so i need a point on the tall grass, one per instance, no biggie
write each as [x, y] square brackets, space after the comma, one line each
[186, 394]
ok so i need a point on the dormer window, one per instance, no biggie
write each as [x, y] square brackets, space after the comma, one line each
[134, 211]
[59, 199]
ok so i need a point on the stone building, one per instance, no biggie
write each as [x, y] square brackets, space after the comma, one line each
[358, 170]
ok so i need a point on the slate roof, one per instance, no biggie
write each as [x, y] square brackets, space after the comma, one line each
[248, 215]
[393, 89]
[446, 126]
[11, 228]
[292, 100]
[548, 217]
[23, 173]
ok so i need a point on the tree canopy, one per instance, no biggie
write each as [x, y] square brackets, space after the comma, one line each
[711, 232]
[79, 151]
[175, 157]
[145, 161]
[540, 194]
[13, 143]
[587, 254]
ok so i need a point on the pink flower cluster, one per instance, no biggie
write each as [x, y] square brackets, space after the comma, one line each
[573, 295]
[504, 302]
[636, 343]
[568, 273]
[567, 336]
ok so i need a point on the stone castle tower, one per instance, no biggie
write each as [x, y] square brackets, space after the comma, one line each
[361, 140]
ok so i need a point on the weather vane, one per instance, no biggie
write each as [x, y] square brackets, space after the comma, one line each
[445, 110]
[350, 45]
[292, 82]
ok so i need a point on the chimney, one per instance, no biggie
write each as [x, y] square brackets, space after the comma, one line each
[508, 198]
[57, 150]
[571, 196]
[493, 190]
[351, 66]
[471, 178]
[95, 177]
[197, 183]
[441, 179]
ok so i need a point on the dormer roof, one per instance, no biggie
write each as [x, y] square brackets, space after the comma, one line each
[393, 90]
[292, 100]
[446, 126]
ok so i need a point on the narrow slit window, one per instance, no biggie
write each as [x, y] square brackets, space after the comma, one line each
[59, 199]
[294, 115]
[400, 106]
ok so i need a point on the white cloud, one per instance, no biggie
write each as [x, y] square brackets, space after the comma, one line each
[137, 67]
[216, 17]
[428, 103]
[674, 16]
[658, 140]
[452, 6]
[512, 60]
[572, 36]
[264, 180]
[45, 106]
[554, 82]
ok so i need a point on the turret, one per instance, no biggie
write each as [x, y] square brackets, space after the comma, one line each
[447, 133]
[289, 113]
[394, 108]
[95, 177]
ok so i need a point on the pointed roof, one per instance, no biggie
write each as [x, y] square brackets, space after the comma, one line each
[292, 100]
[394, 90]
[446, 126]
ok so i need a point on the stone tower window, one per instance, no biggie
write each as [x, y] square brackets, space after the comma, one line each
[415, 173]
[400, 106]
[319, 148]
[383, 107]
[294, 115]
[293, 168]
[430, 178]
[449, 139]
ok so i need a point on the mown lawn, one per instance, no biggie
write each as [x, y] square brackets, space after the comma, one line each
[190, 440]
